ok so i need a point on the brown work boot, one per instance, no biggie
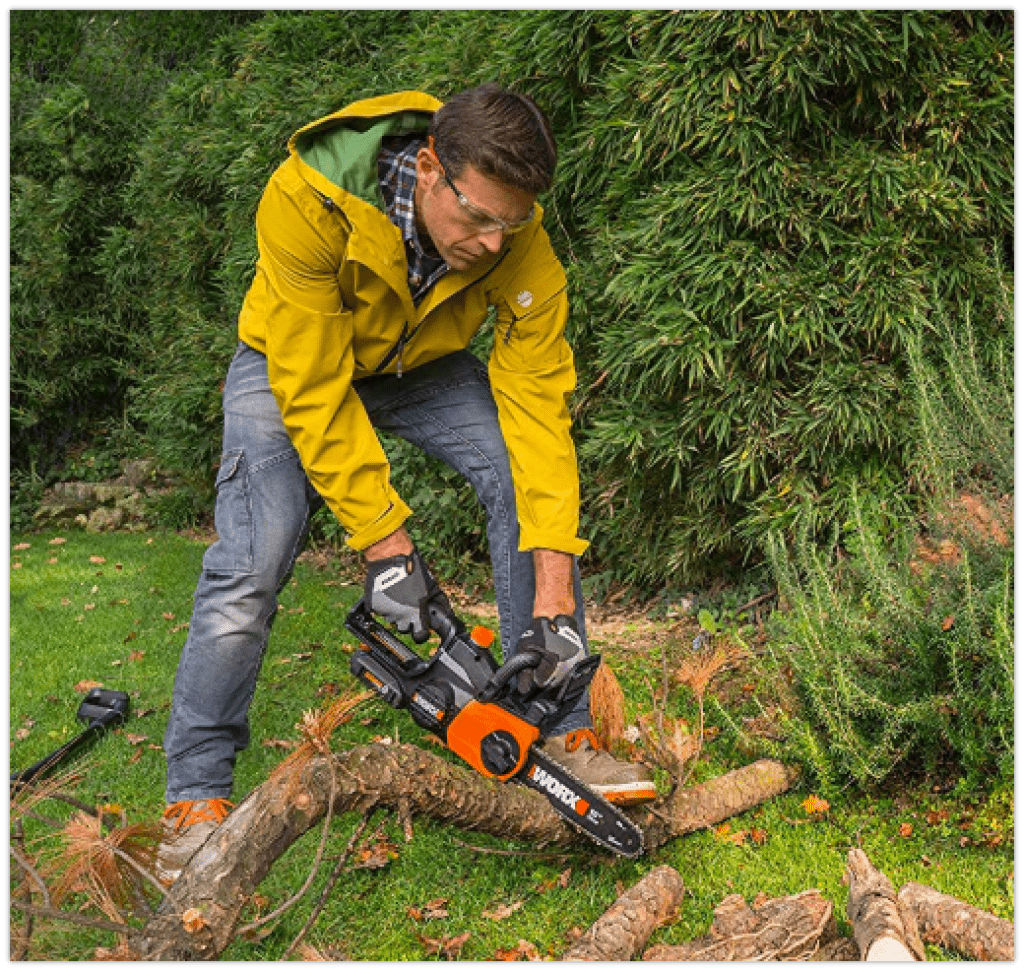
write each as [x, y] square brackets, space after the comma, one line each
[187, 825]
[622, 783]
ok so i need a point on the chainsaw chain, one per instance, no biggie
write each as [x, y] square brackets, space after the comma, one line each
[606, 805]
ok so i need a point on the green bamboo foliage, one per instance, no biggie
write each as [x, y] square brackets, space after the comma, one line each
[778, 203]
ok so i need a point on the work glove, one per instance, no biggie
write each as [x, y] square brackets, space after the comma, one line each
[401, 590]
[560, 646]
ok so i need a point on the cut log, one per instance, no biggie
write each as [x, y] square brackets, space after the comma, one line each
[780, 929]
[622, 931]
[213, 889]
[883, 928]
[952, 924]
[708, 804]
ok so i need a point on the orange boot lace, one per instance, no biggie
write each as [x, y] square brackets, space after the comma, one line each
[573, 740]
[189, 812]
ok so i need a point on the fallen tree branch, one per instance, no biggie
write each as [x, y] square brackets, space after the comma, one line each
[883, 929]
[213, 888]
[952, 924]
[623, 930]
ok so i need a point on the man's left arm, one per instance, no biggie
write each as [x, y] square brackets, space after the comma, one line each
[532, 376]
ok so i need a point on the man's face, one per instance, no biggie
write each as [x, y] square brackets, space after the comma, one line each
[460, 236]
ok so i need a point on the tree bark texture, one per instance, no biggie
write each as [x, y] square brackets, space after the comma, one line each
[884, 929]
[952, 924]
[200, 915]
[780, 929]
[623, 930]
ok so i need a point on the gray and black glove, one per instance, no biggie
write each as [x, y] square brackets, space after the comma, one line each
[401, 589]
[560, 646]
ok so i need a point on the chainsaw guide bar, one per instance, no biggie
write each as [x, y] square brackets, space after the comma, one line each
[479, 711]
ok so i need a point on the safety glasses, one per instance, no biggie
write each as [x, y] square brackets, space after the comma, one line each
[482, 221]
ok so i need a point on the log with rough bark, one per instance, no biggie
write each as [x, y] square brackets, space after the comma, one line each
[623, 930]
[201, 914]
[883, 928]
[780, 929]
[952, 924]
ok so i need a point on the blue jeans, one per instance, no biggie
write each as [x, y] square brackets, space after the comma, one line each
[264, 505]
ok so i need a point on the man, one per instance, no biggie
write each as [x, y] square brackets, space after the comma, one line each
[391, 233]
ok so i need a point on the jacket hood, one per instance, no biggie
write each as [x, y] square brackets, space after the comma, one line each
[339, 151]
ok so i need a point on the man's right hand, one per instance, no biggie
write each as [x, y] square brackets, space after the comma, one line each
[400, 589]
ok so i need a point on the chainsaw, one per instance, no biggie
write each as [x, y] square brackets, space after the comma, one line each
[475, 706]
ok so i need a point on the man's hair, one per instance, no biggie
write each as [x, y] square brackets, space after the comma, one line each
[503, 135]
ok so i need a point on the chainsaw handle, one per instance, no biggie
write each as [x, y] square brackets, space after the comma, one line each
[444, 623]
[521, 662]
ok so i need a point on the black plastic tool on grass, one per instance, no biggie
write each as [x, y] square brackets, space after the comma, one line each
[101, 708]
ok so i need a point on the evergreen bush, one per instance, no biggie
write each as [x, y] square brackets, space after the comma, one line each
[770, 205]
[900, 643]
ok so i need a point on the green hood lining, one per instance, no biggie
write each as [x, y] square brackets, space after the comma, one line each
[345, 151]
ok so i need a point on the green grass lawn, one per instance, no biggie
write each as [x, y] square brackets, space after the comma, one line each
[112, 609]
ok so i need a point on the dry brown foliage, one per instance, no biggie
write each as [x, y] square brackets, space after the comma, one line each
[316, 729]
[607, 707]
[98, 864]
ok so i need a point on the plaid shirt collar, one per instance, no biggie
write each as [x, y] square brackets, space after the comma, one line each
[396, 172]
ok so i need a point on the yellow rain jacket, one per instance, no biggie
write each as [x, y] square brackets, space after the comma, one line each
[330, 303]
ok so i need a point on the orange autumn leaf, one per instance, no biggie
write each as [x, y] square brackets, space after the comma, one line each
[193, 920]
[906, 829]
[814, 804]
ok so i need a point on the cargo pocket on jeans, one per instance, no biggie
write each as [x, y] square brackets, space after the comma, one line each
[232, 553]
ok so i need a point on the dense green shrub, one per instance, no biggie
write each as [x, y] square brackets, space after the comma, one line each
[773, 204]
[900, 643]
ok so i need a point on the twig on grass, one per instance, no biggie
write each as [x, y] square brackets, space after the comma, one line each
[98, 923]
[30, 871]
[329, 886]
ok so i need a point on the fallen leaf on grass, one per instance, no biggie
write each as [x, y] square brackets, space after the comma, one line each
[136, 655]
[21, 546]
[433, 910]
[502, 912]
[562, 880]
[376, 857]
[97, 559]
[281, 743]
[906, 829]
[724, 834]
[57, 541]
[447, 948]
[83, 687]
[814, 804]
[134, 739]
[524, 950]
